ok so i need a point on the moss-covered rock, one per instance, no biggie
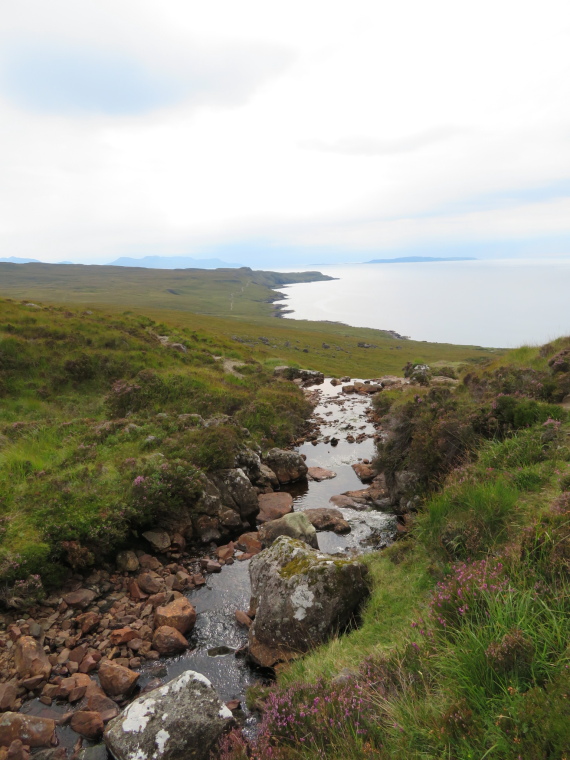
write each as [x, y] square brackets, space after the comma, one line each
[301, 597]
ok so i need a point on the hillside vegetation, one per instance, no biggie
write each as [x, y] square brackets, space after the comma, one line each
[463, 650]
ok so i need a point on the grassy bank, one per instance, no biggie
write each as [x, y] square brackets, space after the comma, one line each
[463, 651]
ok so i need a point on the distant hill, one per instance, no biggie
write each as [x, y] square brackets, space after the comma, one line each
[172, 262]
[418, 259]
[17, 260]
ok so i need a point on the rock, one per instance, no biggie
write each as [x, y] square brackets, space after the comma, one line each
[158, 539]
[127, 562]
[207, 528]
[295, 525]
[8, 696]
[324, 518]
[116, 680]
[301, 597]
[88, 724]
[88, 621]
[306, 376]
[319, 474]
[32, 731]
[236, 492]
[106, 707]
[364, 472]
[179, 614]
[150, 584]
[98, 752]
[341, 500]
[348, 388]
[168, 640]
[182, 720]
[30, 659]
[81, 598]
[17, 751]
[274, 505]
[250, 543]
[288, 466]
[122, 636]
[148, 562]
[268, 478]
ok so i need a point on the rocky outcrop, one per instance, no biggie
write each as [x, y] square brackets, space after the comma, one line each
[295, 525]
[237, 493]
[307, 377]
[180, 721]
[300, 598]
[288, 466]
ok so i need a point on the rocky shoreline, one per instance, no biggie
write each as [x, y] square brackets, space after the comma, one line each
[70, 665]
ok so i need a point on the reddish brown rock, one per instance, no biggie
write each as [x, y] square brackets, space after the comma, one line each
[179, 614]
[198, 579]
[77, 654]
[32, 731]
[88, 621]
[81, 598]
[225, 552]
[77, 693]
[150, 584]
[134, 591]
[103, 705]
[250, 543]
[323, 518]
[116, 680]
[30, 658]
[274, 505]
[122, 636]
[89, 663]
[213, 567]
[320, 473]
[340, 500]
[17, 751]
[168, 640]
[33, 683]
[364, 472]
[88, 724]
[8, 696]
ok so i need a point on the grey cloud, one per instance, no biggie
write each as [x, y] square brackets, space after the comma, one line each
[370, 146]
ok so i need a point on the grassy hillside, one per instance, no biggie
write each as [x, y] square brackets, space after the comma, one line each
[463, 651]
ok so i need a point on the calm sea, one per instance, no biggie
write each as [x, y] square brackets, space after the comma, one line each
[485, 303]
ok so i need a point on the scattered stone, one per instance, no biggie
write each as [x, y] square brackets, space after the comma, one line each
[182, 720]
[88, 724]
[128, 562]
[243, 619]
[364, 472]
[168, 640]
[323, 518]
[8, 696]
[320, 473]
[250, 543]
[88, 621]
[288, 466]
[158, 539]
[122, 636]
[81, 598]
[30, 659]
[179, 614]
[150, 583]
[116, 680]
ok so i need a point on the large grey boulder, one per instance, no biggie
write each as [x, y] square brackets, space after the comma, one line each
[288, 466]
[295, 525]
[182, 720]
[301, 597]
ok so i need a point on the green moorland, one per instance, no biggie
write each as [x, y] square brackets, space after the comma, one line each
[90, 399]
[234, 304]
[463, 650]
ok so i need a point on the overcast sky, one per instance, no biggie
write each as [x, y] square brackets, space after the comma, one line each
[273, 133]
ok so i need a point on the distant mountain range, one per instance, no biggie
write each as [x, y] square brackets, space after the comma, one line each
[418, 259]
[18, 260]
[172, 262]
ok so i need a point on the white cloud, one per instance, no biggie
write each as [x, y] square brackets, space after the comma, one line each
[424, 121]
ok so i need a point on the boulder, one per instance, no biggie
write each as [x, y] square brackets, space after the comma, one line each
[33, 731]
[319, 474]
[88, 621]
[8, 695]
[295, 525]
[168, 640]
[150, 583]
[323, 518]
[179, 614]
[158, 539]
[207, 528]
[237, 492]
[127, 562]
[306, 376]
[116, 680]
[301, 597]
[274, 505]
[288, 466]
[30, 658]
[249, 543]
[182, 720]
